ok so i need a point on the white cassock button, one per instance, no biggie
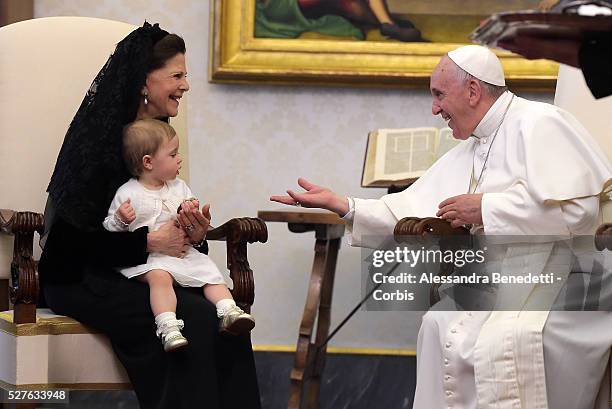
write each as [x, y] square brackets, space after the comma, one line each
[483, 154]
[445, 361]
[483, 140]
[469, 314]
[454, 330]
[447, 378]
[449, 393]
[447, 345]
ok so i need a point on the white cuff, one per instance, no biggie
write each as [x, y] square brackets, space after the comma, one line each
[350, 215]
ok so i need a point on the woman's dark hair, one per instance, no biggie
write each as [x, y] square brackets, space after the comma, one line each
[165, 49]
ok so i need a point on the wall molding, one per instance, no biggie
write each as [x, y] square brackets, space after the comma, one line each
[340, 350]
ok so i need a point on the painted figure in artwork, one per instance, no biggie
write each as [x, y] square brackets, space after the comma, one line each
[343, 18]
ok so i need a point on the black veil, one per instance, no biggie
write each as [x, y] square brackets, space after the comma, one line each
[90, 167]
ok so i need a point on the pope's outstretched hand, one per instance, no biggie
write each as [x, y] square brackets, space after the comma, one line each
[314, 197]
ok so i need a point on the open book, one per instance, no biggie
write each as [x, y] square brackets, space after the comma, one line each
[400, 156]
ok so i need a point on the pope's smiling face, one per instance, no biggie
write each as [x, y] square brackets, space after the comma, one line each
[451, 99]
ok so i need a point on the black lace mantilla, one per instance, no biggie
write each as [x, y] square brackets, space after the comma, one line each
[89, 167]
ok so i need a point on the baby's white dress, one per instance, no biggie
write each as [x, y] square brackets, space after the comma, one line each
[154, 208]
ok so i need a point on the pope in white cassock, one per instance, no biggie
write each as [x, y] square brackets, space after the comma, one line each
[523, 168]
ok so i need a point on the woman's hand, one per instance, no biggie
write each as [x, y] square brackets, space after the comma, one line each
[170, 239]
[194, 222]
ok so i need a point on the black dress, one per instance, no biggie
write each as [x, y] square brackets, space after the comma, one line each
[79, 280]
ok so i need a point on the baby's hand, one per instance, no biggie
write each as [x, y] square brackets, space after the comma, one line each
[126, 212]
[191, 203]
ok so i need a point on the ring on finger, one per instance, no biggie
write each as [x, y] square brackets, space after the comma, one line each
[189, 227]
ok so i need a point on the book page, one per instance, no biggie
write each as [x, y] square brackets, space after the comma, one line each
[446, 142]
[404, 153]
[369, 161]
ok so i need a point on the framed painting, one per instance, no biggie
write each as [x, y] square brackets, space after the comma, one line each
[347, 42]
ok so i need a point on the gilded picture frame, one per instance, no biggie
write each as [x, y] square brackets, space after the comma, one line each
[237, 56]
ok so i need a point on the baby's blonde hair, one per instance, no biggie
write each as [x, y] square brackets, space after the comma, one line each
[143, 137]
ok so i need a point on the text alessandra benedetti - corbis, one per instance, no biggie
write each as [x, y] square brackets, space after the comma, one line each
[473, 278]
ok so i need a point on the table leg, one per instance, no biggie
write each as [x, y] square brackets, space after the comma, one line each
[309, 363]
[323, 324]
[304, 349]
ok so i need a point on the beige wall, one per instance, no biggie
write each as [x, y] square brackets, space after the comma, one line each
[248, 142]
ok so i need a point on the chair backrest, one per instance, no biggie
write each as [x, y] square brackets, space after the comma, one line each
[46, 67]
[573, 95]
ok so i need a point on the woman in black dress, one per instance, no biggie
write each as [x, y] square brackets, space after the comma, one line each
[144, 78]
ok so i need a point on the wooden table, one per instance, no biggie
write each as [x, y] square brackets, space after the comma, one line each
[309, 360]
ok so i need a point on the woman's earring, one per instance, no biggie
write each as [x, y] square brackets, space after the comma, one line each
[146, 101]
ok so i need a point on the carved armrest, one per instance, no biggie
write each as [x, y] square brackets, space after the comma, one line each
[408, 227]
[603, 237]
[24, 273]
[237, 233]
[416, 226]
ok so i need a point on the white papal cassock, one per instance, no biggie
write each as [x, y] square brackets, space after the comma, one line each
[544, 176]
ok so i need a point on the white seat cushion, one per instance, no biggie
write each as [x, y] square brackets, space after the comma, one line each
[57, 351]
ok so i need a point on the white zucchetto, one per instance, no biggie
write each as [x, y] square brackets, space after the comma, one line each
[480, 62]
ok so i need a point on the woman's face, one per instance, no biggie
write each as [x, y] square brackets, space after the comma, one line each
[164, 88]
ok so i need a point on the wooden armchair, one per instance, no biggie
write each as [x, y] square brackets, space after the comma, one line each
[25, 288]
[47, 65]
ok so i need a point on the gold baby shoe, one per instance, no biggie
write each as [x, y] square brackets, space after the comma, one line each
[174, 342]
[236, 322]
[170, 333]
